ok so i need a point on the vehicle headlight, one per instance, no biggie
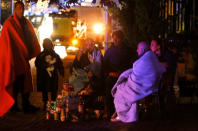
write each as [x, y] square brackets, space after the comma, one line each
[98, 28]
[74, 41]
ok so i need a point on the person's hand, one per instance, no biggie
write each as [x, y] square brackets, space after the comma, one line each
[91, 59]
[79, 54]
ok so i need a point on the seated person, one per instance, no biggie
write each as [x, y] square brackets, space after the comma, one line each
[136, 83]
[86, 75]
[86, 65]
[169, 60]
[157, 49]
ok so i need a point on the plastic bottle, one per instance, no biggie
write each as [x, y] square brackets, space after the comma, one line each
[62, 115]
[67, 109]
[47, 115]
[56, 116]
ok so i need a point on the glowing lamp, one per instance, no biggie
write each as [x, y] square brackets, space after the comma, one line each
[74, 41]
[98, 28]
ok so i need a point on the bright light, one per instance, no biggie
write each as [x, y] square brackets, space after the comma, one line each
[98, 28]
[60, 50]
[74, 41]
[73, 22]
[58, 44]
[72, 48]
[57, 40]
[46, 29]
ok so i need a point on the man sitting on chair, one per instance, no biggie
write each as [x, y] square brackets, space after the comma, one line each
[136, 83]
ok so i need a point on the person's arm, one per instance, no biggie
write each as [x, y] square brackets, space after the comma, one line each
[105, 64]
[95, 66]
[76, 62]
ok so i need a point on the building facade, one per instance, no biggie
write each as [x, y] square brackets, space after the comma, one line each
[179, 17]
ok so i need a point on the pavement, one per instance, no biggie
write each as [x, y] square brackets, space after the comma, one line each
[183, 116]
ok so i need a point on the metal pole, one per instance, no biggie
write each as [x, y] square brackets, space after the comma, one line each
[106, 32]
[12, 7]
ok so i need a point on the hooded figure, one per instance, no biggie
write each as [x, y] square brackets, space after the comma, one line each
[18, 45]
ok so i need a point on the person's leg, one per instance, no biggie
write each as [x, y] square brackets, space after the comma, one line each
[54, 87]
[18, 84]
[45, 98]
[109, 83]
[54, 94]
[45, 88]
[25, 101]
[27, 107]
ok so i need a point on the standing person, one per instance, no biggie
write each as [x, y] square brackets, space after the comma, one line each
[48, 65]
[117, 59]
[169, 60]
[136, 83]
[18, 45]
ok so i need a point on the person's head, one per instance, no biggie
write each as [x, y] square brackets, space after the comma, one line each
[118, 37]
[47, 44]
[142, 48]
[154, 45]
[19, 9]
[89, 44]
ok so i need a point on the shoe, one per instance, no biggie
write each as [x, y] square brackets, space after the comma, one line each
[114, 115]
[117, 119]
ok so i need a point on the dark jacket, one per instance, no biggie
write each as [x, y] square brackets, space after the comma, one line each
[48, 65]
[118, 59]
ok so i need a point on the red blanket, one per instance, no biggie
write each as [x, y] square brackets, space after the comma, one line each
[14, 57]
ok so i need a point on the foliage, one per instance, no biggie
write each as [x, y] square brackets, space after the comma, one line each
[139, 19]
[67, 5]
[148, 20]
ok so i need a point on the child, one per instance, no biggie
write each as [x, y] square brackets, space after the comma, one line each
[48, 65]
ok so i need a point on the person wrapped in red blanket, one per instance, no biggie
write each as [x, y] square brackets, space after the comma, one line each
[18, 44]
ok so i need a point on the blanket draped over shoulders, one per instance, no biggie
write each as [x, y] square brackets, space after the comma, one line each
[135, 84]
[14, 58]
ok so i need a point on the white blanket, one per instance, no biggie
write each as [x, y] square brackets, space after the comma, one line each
[135, 84]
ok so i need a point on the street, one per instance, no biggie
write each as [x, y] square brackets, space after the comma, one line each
[184, 118]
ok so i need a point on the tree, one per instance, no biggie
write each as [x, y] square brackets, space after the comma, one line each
[139, 19]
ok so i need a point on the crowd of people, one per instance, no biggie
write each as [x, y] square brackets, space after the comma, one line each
[119, 77]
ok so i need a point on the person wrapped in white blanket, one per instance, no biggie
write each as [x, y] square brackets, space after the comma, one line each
[136, 83]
